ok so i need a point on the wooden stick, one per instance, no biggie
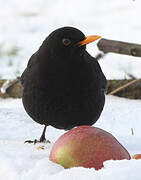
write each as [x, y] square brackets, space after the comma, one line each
[124, 86]
[119, 47]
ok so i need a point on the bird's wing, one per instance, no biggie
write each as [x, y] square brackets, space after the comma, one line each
[97, 70]
[31, 63]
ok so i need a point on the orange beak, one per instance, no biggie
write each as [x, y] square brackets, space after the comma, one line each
[88, 40]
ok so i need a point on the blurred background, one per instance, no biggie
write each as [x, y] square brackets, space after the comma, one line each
[25, 24]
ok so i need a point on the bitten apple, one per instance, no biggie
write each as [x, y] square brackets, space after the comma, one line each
[88, 147]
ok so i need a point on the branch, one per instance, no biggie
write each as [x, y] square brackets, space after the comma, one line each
[10, 88]
[119, 47]
[124, 86]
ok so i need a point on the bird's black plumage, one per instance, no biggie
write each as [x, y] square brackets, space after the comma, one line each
[63, 85]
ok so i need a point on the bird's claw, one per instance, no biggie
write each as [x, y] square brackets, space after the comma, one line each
[29, 141]
[37, 141]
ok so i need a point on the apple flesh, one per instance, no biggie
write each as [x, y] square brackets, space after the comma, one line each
[88, 147]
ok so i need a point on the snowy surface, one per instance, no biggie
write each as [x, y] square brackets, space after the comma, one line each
[24, 25]
[19, 161]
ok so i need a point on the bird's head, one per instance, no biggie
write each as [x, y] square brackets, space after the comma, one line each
[66, 41]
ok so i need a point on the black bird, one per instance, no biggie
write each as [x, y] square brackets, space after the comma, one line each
[63, 85]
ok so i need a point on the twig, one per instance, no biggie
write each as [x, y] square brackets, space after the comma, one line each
[119, 47]
[124, 86]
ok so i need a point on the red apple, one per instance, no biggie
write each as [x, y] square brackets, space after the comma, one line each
[88, 147]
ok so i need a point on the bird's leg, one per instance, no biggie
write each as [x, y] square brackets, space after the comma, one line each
[42, 138]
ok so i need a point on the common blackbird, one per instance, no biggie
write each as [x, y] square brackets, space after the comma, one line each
[63, 85]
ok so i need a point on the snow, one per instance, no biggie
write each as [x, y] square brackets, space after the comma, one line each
[19, 161]
[23, 27]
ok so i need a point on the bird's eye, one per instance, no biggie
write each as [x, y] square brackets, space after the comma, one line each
[66, 41]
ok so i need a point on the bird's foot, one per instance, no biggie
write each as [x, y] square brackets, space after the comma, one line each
[41, 140]
[37, 141]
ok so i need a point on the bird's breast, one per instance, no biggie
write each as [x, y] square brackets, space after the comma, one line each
[62, 87]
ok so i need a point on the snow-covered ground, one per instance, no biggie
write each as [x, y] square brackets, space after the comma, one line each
[23, 27]
[19, 161]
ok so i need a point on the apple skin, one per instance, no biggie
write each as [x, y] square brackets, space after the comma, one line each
[88, 147]
[137, 156]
